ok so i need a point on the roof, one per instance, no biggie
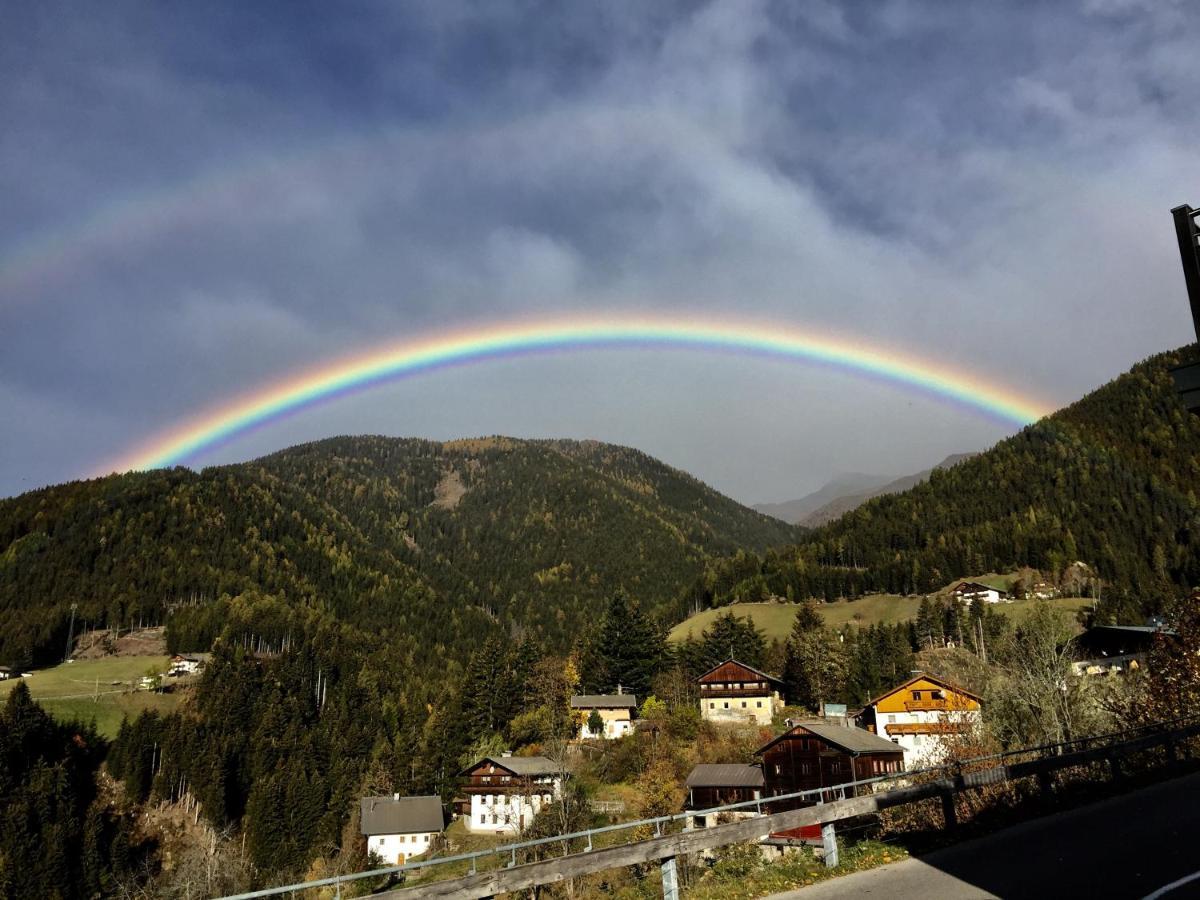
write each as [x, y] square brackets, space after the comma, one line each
[406, 815]
[604, 701]
[925, 676]
[525, 766]
[851, 739]
[757, 672]
[978, 585]
[725, 775]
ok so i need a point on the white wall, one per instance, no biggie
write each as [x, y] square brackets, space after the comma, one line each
[509, 813]
[388, 847]
[760, 709]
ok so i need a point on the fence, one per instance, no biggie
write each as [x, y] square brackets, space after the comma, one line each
[580, 855]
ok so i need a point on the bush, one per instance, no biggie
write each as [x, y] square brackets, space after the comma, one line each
[737, 862]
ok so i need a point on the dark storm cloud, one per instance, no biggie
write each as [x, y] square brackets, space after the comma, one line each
[203, 197]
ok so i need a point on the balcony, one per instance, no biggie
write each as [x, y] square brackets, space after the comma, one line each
[919, 705]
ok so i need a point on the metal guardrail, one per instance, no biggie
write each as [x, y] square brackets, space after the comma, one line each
[1059, 755]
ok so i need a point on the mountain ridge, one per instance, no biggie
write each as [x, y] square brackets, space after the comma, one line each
[410, 536]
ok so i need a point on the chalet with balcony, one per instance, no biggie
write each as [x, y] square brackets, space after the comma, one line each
[734, 692]
[970, 591]
[504, 794]
[615, 711]
[399, 828]
[920, 715]
[721, 784]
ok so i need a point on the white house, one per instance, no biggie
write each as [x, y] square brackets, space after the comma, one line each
[506, 793]
[920, 715]
[970, 591]
[399, 828]
[187, 665]
[615, 711]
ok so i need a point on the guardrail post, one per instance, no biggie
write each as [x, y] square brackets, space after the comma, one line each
[829, 845]
[1114, 767]
[949, 813]
[670, 879]
[1046, 784]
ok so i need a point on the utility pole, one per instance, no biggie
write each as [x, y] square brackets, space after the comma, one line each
[1187, 378]
[70, 633]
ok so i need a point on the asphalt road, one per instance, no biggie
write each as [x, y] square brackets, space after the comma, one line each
[1128, 846]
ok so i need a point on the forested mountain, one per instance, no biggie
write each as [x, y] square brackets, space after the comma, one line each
[1109, 480]
[430, 543]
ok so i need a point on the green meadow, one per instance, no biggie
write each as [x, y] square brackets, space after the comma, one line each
[102, 691]
[775, 619]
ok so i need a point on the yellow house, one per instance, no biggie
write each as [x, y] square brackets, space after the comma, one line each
[920, 713]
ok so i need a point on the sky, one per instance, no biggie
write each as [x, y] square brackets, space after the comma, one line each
[202, 199]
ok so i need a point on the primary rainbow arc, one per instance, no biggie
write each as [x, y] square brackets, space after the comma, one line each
[410, 358]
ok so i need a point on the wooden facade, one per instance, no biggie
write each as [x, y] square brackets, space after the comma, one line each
[818, 755]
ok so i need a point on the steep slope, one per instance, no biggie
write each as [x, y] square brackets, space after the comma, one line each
[839, 506]
[849, 484]
[432, 543]
[1109, 480]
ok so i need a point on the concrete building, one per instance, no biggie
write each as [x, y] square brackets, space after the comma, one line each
[399, 828]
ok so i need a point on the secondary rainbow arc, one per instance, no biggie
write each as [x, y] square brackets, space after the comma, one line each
[408, 358]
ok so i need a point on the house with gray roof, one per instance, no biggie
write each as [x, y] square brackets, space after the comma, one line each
[399, 828]
[720, 784]
[615, 711]
[505, 793]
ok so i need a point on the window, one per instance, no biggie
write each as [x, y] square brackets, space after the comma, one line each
[743, 704]
[495, 819]
[938, 695]
[760, 704]
[711, 705]
[895, 740]
[727, 705]
[916, 695]
[891, 720]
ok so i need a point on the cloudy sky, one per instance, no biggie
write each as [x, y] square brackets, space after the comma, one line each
[199, 199]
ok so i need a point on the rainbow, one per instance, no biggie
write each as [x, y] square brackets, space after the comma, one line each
[402, 360]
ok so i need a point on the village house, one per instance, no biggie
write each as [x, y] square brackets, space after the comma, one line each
[722, 784]
[920, 715]
[820, 755]
[189, 664]
[5, 673]
[970, 591]
[399, 828]
[734, 692]
[615, 712]
[505, 793]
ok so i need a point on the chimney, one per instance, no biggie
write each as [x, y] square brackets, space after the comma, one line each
[396, 796]
[619, 690]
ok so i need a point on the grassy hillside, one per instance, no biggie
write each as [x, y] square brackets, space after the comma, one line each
[96, 690]
[775, 619]
[430, 544]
